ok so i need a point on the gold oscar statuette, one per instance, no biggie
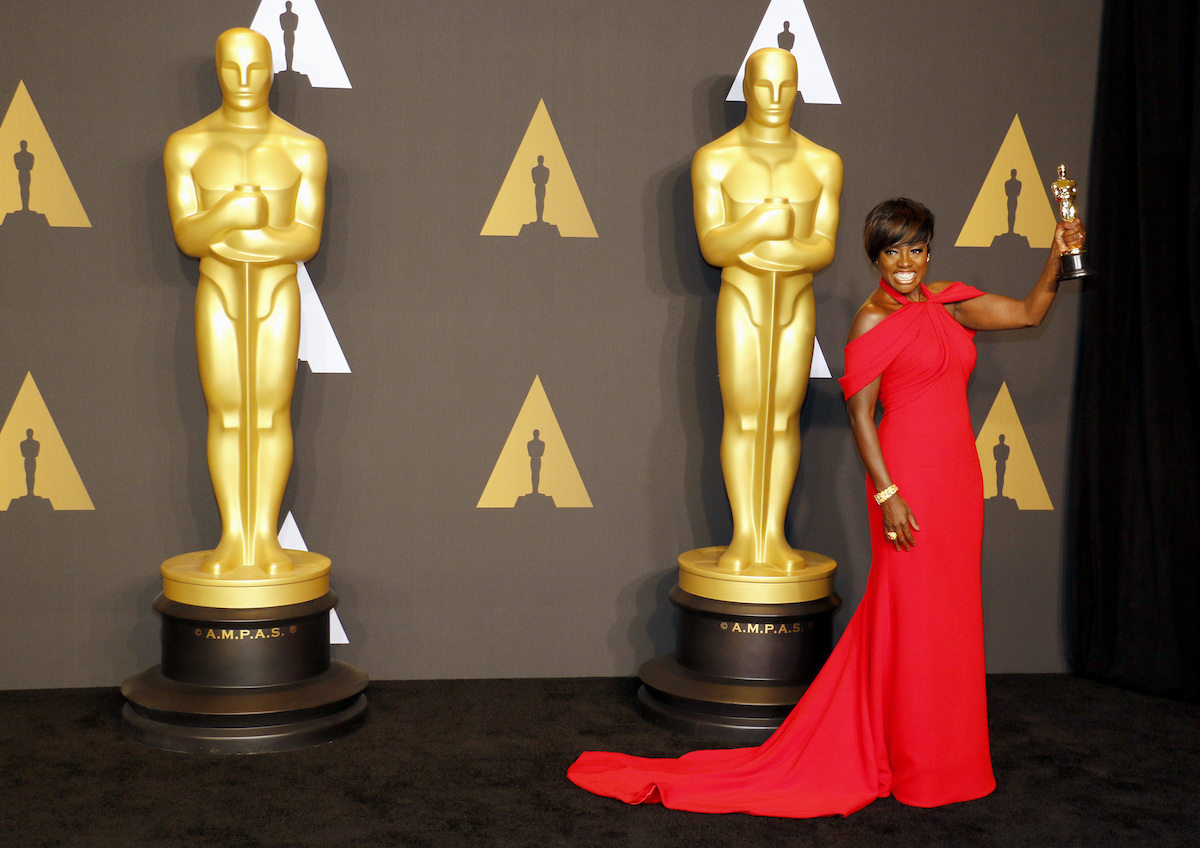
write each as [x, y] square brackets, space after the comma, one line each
[766, 212]
[1074, 261]
[246, 195]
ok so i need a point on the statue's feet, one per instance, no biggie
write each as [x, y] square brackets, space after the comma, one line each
[782, 555]
[229, 555]
[777, 553]
[225, 557]
[271, 557]
[739, 555]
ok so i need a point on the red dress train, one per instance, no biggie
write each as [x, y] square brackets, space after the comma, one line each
[900, 706]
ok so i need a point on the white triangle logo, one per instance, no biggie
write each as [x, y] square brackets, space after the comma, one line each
[786, 24]
[289, 537]
[311, 50]
[318, 344]
[820, 368]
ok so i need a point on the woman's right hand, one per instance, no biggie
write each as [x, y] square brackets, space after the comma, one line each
[899, 519]
[1069, 235]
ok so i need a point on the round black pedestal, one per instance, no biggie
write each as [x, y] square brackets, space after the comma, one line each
[243, 681]
[1074, 266]
[738, 669]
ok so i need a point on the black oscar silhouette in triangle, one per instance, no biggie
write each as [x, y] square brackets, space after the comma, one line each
[999, 503]
[289, 22]
[540, 174]
[535, 499]
[23, 161]
[1012, 192]
[29, 502]
[786, 39]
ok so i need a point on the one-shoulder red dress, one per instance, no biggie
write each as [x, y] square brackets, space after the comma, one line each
[900, 707]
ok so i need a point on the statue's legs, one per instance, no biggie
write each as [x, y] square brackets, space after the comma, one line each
[792, 367]
[217, 354]
[763, 374]
[247, 354]
[270, 459]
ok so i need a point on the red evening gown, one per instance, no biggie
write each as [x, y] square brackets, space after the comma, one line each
[900, 706]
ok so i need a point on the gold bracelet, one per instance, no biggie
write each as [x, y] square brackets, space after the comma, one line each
[880, 497]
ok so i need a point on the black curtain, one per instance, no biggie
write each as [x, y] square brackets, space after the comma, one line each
[1133, 552]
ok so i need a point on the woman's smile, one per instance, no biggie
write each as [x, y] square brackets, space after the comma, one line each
[904, 265]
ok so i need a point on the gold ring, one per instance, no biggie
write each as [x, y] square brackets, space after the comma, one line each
[891, 535]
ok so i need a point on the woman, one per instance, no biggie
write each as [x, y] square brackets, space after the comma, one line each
[900, 706]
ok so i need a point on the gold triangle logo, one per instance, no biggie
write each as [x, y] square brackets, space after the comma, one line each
[1012, 206]
[37, 190]
[539, 196]
[36, 471]
[535, 469]
[1009, 468]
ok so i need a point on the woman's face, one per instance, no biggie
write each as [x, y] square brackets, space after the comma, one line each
[904, 265]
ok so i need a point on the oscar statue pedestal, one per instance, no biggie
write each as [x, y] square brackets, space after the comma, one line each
[748, 643]
[1074, 265]
[246, 663]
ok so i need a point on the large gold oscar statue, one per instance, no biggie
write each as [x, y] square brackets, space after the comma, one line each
[246, 663]
[246, 194]
[754, 620]
[766, 207]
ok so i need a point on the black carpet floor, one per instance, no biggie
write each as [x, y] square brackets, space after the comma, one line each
[481, 763]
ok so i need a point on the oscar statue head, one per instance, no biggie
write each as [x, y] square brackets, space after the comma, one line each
[244, 68]
[770, 87]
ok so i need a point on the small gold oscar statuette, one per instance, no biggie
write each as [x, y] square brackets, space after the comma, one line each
[1074, 261]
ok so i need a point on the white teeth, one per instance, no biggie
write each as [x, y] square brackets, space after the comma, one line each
[905, 276]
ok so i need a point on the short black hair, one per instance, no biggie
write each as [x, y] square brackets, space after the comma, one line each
[896, 221]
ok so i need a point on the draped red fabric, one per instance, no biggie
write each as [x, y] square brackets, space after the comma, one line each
[900, 706]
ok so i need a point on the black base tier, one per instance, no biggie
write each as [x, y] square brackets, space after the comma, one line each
[244, 681]
[738, 669]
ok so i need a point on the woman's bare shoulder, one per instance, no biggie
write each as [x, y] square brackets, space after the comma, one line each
[871, 314]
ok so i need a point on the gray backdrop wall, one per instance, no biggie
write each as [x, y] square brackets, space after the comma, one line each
[445, 329]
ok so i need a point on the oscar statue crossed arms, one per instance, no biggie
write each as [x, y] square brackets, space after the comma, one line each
[246, 192]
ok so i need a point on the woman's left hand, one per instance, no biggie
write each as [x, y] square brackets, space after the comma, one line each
[899, 522]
